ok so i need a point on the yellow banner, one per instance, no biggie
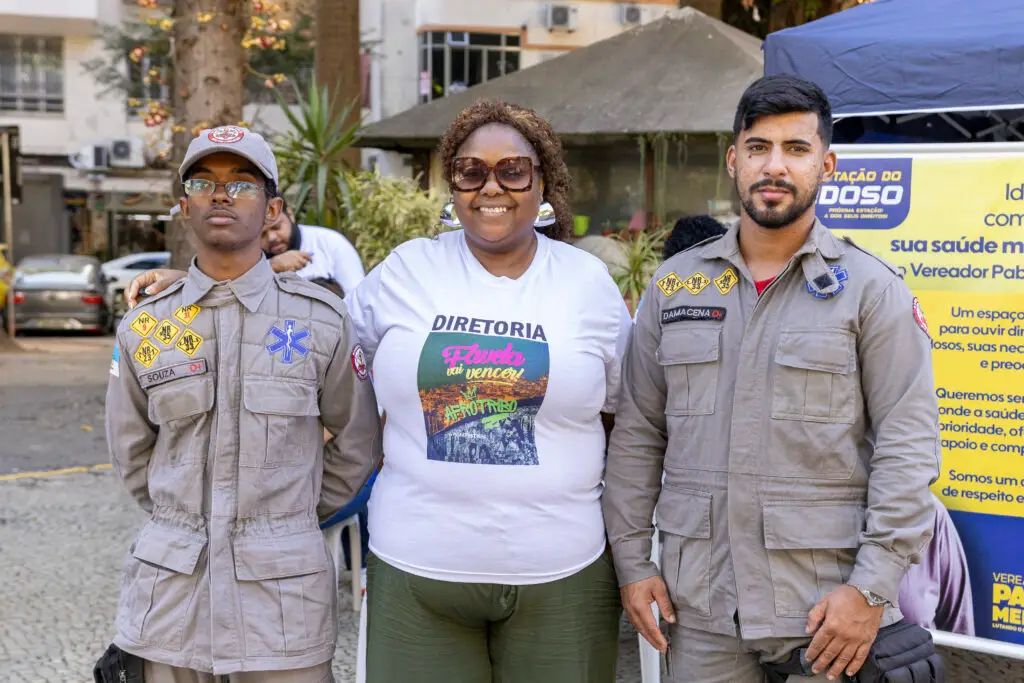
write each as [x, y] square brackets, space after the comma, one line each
[955, 226]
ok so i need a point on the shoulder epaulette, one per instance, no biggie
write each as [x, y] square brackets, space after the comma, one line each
[293, 284]
[896, 271]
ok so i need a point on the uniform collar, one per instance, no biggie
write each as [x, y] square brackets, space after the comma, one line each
[249, 289]
[823, 280]
[820, 239]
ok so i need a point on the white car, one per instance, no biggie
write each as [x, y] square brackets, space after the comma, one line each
[121, 271]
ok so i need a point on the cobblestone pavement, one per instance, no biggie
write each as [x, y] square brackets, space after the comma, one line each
[62, 537]
[51, 403]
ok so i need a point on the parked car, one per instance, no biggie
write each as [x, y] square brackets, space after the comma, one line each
[61, 292]
[121, 271]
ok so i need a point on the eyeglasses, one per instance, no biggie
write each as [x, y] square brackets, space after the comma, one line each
[513, 174]
[236, 189]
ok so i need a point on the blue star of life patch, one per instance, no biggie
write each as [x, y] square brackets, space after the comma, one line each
[841, 276]
[288, 341]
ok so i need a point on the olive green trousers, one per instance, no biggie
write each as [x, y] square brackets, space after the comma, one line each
[427, 631]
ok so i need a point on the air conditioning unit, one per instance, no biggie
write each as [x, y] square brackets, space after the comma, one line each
[561, 18]
[127, 153]
[91, 158]
[631, 14]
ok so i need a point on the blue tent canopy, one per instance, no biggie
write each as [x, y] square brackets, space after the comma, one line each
[904, 56]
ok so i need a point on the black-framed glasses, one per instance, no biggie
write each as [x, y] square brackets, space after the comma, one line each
[236, 189]
[513, 174]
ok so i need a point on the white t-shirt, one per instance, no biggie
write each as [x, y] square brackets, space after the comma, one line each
[494, 449]
[333, 257]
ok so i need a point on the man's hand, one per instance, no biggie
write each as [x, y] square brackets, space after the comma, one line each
[844, 627]
[151, 282]
[637, 599]
[290, 261]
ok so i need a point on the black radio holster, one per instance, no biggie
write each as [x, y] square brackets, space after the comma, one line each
[118, 666]
[902, 653]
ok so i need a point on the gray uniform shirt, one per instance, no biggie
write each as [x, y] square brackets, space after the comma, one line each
[797, 432]
[217, 401]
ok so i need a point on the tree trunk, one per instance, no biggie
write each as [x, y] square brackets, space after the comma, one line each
[338, 60]
[209, 77]
[6, 343]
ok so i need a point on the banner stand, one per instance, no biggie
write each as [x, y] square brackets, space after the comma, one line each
[950, 216]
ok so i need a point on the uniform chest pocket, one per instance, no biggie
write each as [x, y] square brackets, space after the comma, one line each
[280, 425]
[689, 355]
[182, 408]
[815, 378]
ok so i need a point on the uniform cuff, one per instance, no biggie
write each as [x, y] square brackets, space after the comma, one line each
[633, 561]
[879, 571]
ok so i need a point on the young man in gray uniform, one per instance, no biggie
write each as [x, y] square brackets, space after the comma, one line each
[221, 387]
[780, 379]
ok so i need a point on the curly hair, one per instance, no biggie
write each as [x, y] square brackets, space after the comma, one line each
[541, 137]
[689, 231]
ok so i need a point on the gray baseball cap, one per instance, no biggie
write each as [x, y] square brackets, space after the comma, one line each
[233, 140]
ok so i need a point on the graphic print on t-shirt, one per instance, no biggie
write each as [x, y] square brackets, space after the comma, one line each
[481, 384]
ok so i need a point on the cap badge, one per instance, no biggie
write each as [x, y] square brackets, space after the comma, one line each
[226, 135]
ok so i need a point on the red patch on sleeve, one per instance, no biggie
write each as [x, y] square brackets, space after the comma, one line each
[359, 362]
[919, 317]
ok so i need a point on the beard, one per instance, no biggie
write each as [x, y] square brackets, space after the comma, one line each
[775, 217]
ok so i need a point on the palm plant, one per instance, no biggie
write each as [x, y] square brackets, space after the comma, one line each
[310, 156]
[643, 256]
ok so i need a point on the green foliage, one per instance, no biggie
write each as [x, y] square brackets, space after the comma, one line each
[277, 51]
[309, 156]
[382, 212]
[642, 249]
[377, 213]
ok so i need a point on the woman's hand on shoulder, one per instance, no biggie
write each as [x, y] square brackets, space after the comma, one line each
[152, 282]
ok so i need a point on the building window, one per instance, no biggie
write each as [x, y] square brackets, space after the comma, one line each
[148, 81]
[31, 73]
[451, 61]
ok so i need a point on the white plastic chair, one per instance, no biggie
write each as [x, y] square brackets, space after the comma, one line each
[361, 645]
[333, 537]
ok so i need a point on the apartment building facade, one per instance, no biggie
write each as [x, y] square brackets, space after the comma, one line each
[425, 49]
[91, 178]
[418, 50]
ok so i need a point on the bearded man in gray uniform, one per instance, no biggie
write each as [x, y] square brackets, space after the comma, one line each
[780, 380]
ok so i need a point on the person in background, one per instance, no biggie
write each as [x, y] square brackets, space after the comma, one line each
[313, 253]
[937, 593]
[778, 408]
[688, 231]
[220, 389]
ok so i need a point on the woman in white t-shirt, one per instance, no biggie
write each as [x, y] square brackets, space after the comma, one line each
[495, 353]
[495, 350]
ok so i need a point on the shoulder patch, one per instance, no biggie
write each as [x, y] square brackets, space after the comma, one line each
[295, 285]
[919, 318]
[670, 284]
[896, 271]
[359, 362]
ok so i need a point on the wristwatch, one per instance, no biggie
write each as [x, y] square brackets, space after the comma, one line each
[874, 599]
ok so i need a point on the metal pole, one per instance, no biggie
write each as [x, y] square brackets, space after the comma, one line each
[5, 142]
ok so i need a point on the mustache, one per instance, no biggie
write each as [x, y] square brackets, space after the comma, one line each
[782, 184]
